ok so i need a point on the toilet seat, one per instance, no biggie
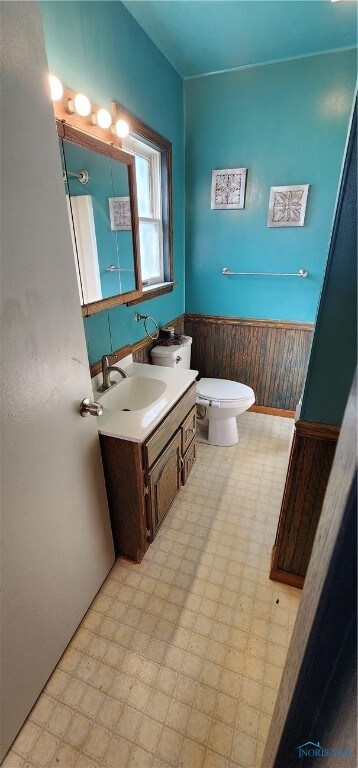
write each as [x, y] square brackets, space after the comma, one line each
[223, 391]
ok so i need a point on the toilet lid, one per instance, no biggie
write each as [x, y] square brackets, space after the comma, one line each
[223, 389]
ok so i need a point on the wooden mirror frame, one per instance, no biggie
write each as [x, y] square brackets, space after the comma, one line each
[82, 132]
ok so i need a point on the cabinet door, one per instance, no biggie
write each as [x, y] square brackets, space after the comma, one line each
[188, 462]
[164, 482]
[188, 429]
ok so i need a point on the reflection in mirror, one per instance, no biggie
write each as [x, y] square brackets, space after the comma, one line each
[98, 197]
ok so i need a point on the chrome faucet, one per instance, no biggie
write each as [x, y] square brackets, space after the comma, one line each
[106, 371]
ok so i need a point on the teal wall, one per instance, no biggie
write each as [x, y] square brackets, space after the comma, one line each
[287, 123]
[98, 48]
[334, 349]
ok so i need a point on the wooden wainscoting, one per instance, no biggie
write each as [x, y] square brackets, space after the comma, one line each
[311, 459]
[268, 355]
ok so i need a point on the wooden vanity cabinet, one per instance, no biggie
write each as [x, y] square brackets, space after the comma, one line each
[143, 479]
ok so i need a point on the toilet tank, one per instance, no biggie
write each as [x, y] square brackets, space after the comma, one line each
[173, 356]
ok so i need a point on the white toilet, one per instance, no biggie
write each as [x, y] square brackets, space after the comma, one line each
[224, 400]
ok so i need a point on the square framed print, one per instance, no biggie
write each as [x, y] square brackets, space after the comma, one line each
[287, 206]
[228, 187]
[120, 213]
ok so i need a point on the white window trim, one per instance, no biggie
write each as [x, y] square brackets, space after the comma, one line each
[136, 147]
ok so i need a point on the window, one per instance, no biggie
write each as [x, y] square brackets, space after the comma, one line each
[153, 163]
[150, 215]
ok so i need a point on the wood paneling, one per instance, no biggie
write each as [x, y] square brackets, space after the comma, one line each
[311, 459]
[269, 356]
[319, 681]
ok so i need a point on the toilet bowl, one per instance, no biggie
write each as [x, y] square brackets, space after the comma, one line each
[223, 400]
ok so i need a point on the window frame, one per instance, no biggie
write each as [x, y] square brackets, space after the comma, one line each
[154, 140]
[153, 156]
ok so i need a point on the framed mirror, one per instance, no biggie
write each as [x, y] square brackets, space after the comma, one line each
[100, 186]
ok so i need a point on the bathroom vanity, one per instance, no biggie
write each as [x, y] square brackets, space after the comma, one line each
[147, 452]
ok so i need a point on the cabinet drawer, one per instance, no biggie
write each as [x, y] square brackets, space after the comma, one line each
[188, 462]
[188, 429]
[155, 444]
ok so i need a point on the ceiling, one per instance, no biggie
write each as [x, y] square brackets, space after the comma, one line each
[202, 36]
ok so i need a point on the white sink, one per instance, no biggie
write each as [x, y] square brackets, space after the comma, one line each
[134, 393]
[134, 406]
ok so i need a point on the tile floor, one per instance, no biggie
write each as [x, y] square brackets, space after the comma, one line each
[178, 660]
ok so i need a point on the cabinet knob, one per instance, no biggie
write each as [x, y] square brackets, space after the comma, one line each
[178, 359]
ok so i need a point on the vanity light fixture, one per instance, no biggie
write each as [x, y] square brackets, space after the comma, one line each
[80, 104]
[121, 129]
[56, 88]
[102, 118]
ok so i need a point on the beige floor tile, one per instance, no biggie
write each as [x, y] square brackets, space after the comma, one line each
[192, 754]
[139, 759]
[44, 749]
[60, 720]
[230, 683]
[205, 699]
[185, 689]
[110, 712]
[78, 731]
[97, 742]
[42, 710]
[149, 733]
[247, 719]
[178, 716]
[251, 692]
[158, 705]
[65, 757]
[26, 739]
[226, 708]
[221, 736]
[129, 722]
[198, 726]
[170, 744]
[213, 760]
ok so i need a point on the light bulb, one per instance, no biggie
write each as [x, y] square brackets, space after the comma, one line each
[103, 118]
[80, 104]
[122, 129]
[56, 88]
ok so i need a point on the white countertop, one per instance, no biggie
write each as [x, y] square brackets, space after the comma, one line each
[136, 425]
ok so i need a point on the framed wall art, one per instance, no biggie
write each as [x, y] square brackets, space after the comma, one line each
[120, 213]
[287, 206]
[228, 188]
